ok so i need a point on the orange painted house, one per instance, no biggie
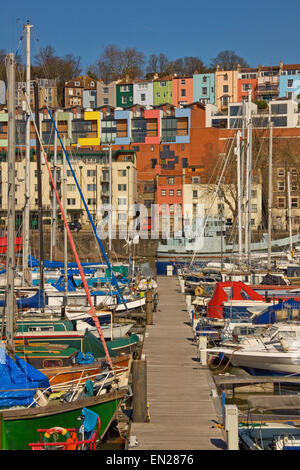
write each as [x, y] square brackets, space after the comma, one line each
[244, 85]
[182, 91]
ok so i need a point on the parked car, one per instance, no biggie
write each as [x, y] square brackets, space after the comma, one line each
[74, 225]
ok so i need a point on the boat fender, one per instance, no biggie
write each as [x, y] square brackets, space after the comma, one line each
[199, 290]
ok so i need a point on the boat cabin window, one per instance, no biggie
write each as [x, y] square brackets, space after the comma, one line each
[41, 328]
[244, 295]
[228, 292]
[52, 363]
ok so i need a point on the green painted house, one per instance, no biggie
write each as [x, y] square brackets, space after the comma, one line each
[162, 91]
[124, 95]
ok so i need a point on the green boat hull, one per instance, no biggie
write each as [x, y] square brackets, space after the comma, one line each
[19, 427]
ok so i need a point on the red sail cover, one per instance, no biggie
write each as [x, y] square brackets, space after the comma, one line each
[239, 291]
[3, 244]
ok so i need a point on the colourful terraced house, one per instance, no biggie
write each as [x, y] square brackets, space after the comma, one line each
[124, 94]
[162, 91]
[182, 91]
[204, 88]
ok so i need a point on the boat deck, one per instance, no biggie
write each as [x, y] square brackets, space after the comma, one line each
[183, 405]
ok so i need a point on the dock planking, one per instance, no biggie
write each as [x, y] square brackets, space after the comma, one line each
[182, 411]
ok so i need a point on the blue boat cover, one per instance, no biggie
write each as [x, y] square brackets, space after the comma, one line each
[268, 316]
[35, 301]
[34, 263]
[60, 284]
[20, 379]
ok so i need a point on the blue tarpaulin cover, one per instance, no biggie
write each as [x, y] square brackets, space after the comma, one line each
[19, 382]
[269, 315]
[35, 301]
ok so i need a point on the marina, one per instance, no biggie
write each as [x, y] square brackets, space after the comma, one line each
[171, 327]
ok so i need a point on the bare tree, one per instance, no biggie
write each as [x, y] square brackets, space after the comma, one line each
[116, 63]
[48, 65]
[157, 64]
[228, 60]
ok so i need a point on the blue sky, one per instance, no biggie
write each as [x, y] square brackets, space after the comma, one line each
[263, 32]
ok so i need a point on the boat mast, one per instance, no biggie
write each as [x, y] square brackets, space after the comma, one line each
[26, 213]
[39, 181]
[53, 225]
[270, 196]
[290, 210]
[110, 201]
[65, 303]
[10, 261]
[248, 176]
[239, 192]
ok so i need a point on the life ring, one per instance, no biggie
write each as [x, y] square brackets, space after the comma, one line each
[63, 432]
[199, 290]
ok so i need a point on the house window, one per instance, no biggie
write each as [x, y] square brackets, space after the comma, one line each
[122, 217]
[195, 193]
[225, 88]
[91, 172]
[157, 95]
[204, 90]
[281, 173]
[121, 172]
[122, 201]
[253, 207]
[71, 187]
[254, 193]
[226, 76]
[182, 82]
[281, 185]
[105, 90]
[196, 179]
[281, 202]
[294, 186]
[143, 97]
[246, 86]
[122, 187]
[183, 92]
[294, 202]
[163, 83]
[220, 208]
[71, 202]
[179, 192]
[105, 100]
[163, 192]
[92, 202]
[171, 192]
[124, 100]
[204, 79]
[91, 187]
[171, 180]
[124, 88]
[290, 83]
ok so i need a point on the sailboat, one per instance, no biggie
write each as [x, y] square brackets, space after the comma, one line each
[18, 426]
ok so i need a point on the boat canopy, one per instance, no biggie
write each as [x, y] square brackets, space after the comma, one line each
[35, 301]
[226, 291]
[283, 311]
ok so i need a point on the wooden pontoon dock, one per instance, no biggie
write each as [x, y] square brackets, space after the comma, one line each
[184, 407]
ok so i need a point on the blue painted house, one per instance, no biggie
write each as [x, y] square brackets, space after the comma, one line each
[289, 81]
[204, 87]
